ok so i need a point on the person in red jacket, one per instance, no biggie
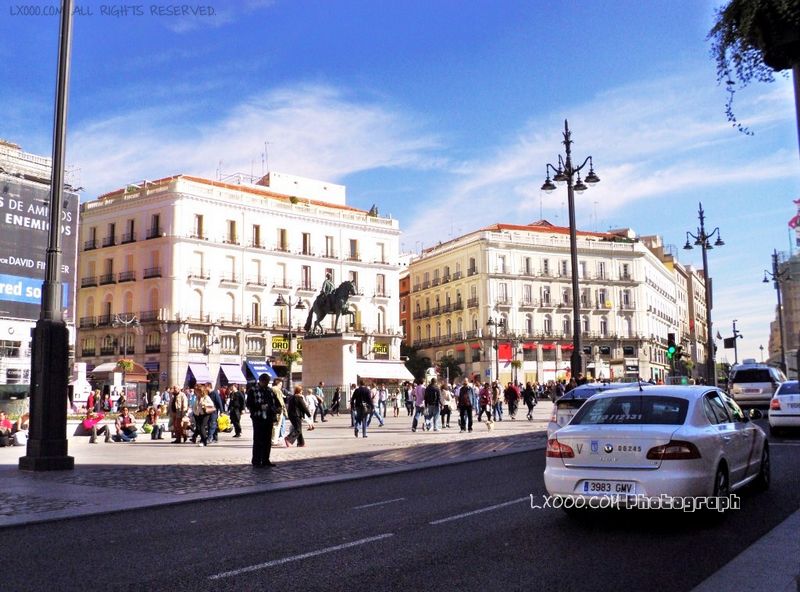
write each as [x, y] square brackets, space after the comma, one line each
[511, 395]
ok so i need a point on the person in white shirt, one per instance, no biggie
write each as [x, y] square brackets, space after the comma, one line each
[383, 396]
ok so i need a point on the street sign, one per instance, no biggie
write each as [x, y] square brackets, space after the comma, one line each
[488, 372]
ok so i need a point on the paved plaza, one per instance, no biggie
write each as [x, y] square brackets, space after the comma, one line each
[117, 476]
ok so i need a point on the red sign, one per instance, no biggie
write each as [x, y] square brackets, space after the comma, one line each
[504, 351]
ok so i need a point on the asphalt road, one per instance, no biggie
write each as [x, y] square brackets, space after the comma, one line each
[468, 527]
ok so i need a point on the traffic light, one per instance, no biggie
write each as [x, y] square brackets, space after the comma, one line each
[671, 347]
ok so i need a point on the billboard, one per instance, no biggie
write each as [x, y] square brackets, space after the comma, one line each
[24, 228]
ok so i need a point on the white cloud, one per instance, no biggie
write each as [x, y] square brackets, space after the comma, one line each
[313, 130]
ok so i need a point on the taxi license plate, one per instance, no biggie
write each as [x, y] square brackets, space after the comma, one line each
[794, 405]
[594, 487]
[751, 391]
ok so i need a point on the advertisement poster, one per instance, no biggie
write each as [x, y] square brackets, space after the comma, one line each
[24, 227]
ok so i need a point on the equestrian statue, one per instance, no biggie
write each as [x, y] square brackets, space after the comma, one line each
[330, 300]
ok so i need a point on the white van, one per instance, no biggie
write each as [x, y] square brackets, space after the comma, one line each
[751, 383]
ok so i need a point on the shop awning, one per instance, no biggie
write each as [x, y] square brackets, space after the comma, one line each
[200, 373]
[233, 373]
[385, 370]
[138, 374]
[256, 369]
[107, 367]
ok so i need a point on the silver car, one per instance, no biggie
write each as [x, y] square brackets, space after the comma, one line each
[754, 384]
[784, 408]
[670, 441]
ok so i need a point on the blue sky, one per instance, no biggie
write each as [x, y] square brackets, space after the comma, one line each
[442, 113]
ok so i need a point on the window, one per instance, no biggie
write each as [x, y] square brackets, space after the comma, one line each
[529, 324]
[601, 270]
[585, 324]
[546, 267]
[198, 231]
[565, 325]
[527, 294]
[527, 265]
[381, 248]
[306, 243]
[329, 271]
[130, 233]
[545, 295]
[353, 277]
[602, 298]
[626, 274]
[565, 292]
[380, 284]
[231, 237]
[714, 409]
[632, 410]
[502, 292]
[329, 247]
[256, 235]
[353, 249]
[155, 226]
[283, 240]
[305, 277]
[548, 324]
[604, 326]
[564, 267]
[501, 264]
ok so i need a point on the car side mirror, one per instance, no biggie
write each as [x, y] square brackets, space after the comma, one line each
[755, 414]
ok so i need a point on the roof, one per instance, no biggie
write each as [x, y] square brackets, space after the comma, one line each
[254, 190]
[543, 226]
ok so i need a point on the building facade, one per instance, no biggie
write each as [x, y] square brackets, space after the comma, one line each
[187, 270]
[519, 276]
[24, 234]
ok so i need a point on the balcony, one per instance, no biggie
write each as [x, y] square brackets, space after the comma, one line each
[282, 285]
[87, 352]
[199, 274]
[281, 248]
[126, 276]
[306, 287]
[472, 271]
[87, 322]
[152, 272]
[107, 278]
[148, 316]
[230, 319]
[109, 241]
[472, 303]
[90, 244]
[416, 288]
[457, 276]
[564, 304]
[88, 282]
[354, 257]
[231, 240]
[382, 294]
[256, 281]
[329, 254]
[154, 348]
[153, 232]
[458, 305]
[228, 278]
[128, 237]
[198, 236]
[103, 320]
[627, 306]
[473, 334]
[108, 350]
[257, 321]
[436, 281]
[527, 304]
[426, 284]
[503, 301]
[446, 278]
[257, 245]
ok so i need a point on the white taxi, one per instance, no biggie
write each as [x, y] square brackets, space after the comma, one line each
[784, 408]
[664, 441]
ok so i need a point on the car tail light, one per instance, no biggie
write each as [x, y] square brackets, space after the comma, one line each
[775, 404]
[556, 449]
[674, 450]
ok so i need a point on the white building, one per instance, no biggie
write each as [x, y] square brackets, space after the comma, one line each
[198, 265]
[520, 276]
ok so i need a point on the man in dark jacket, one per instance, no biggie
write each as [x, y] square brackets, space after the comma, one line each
[236, 405]
[361, 404]
[433, 404]
[296, 410]
[263, 411]
[465, 406]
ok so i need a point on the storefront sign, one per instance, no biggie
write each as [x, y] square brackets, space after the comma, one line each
[281, 344]
[381, 349]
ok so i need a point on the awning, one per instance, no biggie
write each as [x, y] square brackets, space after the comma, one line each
[200, 373]
[256, 369]
[138, 374]
[529, 346]
[233, 373]
[386, 370]
[461, 347]
[107, 367]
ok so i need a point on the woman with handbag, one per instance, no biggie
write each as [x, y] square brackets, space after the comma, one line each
[203, 409]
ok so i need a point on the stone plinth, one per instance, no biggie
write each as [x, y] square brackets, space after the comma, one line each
[330, 359]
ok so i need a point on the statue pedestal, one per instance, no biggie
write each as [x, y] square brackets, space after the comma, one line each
[330, 359]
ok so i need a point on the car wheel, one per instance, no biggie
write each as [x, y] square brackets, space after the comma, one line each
[722, 486]
[764, 476]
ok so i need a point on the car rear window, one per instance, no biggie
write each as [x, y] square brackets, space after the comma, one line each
[790, 388]
[633, 410]
[752, 375]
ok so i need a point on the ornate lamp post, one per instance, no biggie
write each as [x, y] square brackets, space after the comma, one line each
[570, 174]
[702, 239]
[777, 275]
[297, 304]
[495, 327]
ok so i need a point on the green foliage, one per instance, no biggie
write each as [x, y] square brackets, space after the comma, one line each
[414, 363]
[750, 40]
[449, 363]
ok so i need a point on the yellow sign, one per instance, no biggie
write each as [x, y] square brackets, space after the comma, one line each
[381, 348]
[280, 343]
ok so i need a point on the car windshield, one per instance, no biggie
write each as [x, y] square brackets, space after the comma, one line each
[790, 388]
[633, 410]
[752, 375]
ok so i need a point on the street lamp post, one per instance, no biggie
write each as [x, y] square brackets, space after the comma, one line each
[289, 304]
[777, 277]
[495, 327]
[702, 239]
[736, 335]
[125, 321]
[47, 441]
[567, 172]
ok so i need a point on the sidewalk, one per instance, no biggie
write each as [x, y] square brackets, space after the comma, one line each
[116, 476]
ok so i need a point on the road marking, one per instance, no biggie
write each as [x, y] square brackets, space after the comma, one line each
[399, 499]
[784, 443]
[488, 509]
[236, 572]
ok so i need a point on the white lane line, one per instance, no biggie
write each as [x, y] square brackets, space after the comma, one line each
[399, 499]
[487, 509]
[236, 572]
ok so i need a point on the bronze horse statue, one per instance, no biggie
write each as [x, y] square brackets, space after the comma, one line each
[334, 303]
